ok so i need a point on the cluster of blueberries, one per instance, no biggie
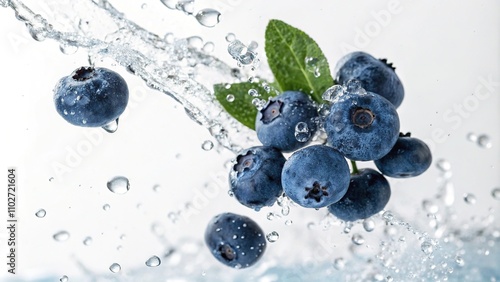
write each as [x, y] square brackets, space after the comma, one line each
[361, 124]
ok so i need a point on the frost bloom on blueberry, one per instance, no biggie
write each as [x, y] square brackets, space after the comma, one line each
[315, 176]
[255, 178]
[408, 158]
[368, 193]
[91, 97]
[235, 240]
[362, 126]
[376, 76]
[287, 121]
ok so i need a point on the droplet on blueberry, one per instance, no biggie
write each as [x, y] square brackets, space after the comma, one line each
[363, 117]
[271, 111]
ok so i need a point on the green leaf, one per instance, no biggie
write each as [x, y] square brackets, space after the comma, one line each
[241, 108]
[288, 49]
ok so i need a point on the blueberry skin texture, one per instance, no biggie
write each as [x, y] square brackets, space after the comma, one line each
[368, 193]
[275, 123]
[255, 179]
[408, 158]
[235, 240]
[375, 75]
[91, 97]
[362, 127]
[315, 176]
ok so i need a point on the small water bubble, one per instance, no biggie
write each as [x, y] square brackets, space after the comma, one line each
[207, 145]
[285, 210]
[64, 278]
[460, 261]
[208, 17]
[357, 239]
[288, 222]
[119, 185]
[230, 98]
[253, 92]
[157, 187]
[153, 261]
[270, 216]
[427, 247]
[208, 47]
[87, 241]
[169, 37]
[106, 207]
[429, 206]
[388, 216]
[470, 198]
[472, 137]
[111, 127]
[40, 213]
[332, 92]
[259, 103]
[302, 133]
[272, 237]
[61, 236]
[187, 6]
[68, 49]
[495, 193]
[443, 165]
[84, 121]
[368, 225]
[339, 263]
[115, 268]
[230, 37]
[484, 141]
[195, 42]
[144, 6]
[171, 4]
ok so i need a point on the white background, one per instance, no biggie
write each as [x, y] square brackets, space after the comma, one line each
[443, 52]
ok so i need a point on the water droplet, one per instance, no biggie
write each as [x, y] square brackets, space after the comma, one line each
[272, 237]
[339, 263]
[230, 37]
[187, 6]
[332, 92]
[368, 225]
[429, 206]
[208, 47]
[195, 42]
[115, 268]
[285, 210]
[443, 165]
[495, 193]
[68, 49]
[157, 188]
[84, 121]
[208, 17]
[61, 236]
[169, 37]
[87, 241]
[153, 261]
[171, 4]
[119, 185]
[460, 261]
[230, 98]
[388, 216]
[207, 145]
[40, 213]
[241, 53]
[51, 179]
[312, 65]
[469, 198]
[472, 137]
[259, 103]
[484, 141]
[106, 207]
[270, 216]
[64, 278]
[427, 247]
[288, 222]
[111, 127]
[357, 239]
[144, 6]
[302, 133]
[253, 92]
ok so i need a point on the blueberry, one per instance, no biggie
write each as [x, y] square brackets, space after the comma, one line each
[409, 157]
[376, 76]
[91, 97]
[235, 240]
[255, 179]
[362, 126]
[315, 176]
[368, 193]
[287, 121]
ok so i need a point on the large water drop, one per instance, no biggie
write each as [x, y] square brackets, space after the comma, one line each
[40, 213]
[115, 268]
[208, 17]
[272, 237]
[153, 261]
[119, 185]
[61, 236]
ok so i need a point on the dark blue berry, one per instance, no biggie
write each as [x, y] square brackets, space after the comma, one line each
[368, 193]
[91, 97]
[409, 157]
[376, 76]
[287, 122]
[255, 178]
[235, 240]
[315, 176]
[362, 126]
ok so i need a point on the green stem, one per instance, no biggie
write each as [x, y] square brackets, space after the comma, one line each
[354, 167]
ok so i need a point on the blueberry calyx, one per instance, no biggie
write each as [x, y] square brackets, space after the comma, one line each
[387, 64]
[83, 73]
[227, 252]
[316, 192]
[407, 134]
[244, 162]
[363, 117]
[271, 111]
